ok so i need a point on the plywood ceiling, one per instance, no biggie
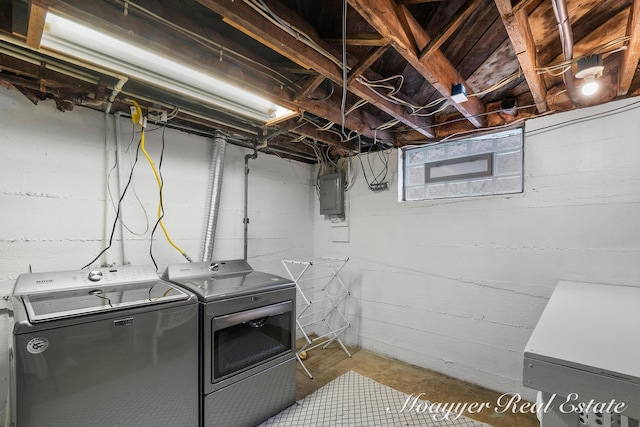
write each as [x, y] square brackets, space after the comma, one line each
[401, 60]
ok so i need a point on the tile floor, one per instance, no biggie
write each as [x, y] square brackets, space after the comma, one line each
[328, 364]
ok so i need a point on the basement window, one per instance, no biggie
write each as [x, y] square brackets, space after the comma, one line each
[482, 166]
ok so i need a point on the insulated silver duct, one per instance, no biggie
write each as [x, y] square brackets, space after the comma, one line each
[566, 38]
[215, 187]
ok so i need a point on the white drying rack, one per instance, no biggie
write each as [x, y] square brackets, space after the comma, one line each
[330, 291]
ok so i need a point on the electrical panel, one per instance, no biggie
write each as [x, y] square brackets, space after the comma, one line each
[332, 194]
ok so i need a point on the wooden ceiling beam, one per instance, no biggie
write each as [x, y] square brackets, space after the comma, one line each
[310, 131]
[160, 39]
[408, 38]
[37, 16]
[6, 16]
[517, 24]
[244, 18]
[631, 55]
[360, 39]
[307, 89]
[458, 19]
[416, 1]
[365, 63]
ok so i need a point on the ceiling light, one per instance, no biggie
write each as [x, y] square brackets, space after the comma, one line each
[589, 69]
[76, 40]
[590, 86]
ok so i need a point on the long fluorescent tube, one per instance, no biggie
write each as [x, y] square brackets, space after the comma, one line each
[84, 43]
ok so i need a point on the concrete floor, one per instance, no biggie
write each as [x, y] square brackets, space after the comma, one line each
[327, 364]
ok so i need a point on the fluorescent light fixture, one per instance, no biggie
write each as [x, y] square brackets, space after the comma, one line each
[89, 45]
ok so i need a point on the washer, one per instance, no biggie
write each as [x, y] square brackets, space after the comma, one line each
[248, 370]
[107, 347]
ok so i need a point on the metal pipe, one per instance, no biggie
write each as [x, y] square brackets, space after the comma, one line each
[246, 199]
[120, 184]
[215, 187]
[114, 93]
[566, 38]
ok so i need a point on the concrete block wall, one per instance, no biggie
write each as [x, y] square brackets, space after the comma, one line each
[458, 285]
[53, 169]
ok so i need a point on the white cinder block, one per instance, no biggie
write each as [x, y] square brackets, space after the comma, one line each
[458, 285]
[53, 180]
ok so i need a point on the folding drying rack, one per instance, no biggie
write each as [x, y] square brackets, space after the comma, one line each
[320, 302]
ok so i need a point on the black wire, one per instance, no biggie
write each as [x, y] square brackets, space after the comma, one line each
[331, 92]
[164, 127]
[115, 221]
[376, 177]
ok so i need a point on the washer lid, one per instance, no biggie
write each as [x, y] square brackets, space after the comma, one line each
[62, 294]
[42, 307]
[217, 280]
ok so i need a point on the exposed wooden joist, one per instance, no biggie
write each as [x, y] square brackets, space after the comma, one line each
[631, 55]
[308, 130]
[517, 25]
[360, 39]
[37, 16]
[6, 16]
[247, 20]
[465, 11]
[147, 33]
[416, 1]
[310, 85]
[365, 63]
[408, 38]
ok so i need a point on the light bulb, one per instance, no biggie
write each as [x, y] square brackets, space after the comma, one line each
[590, 86]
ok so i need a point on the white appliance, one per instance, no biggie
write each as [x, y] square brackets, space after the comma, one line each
[585, 350]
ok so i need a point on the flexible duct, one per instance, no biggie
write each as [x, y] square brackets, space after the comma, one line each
[566, 38]
[215, 187]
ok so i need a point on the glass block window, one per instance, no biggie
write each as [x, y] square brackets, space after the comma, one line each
[486, 165]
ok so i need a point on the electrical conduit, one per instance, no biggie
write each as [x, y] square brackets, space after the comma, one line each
[566, 38]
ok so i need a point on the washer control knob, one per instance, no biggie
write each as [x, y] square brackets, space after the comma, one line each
[95, 275]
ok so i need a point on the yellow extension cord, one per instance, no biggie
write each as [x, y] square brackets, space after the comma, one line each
[137, 119]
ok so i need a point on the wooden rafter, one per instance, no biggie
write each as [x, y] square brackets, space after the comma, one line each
[465, 11]
[6, 16]
[247, 20]
[37, 16]
[310, 131]
[517, 25]
[408, 38]
[360, 39]
[416, 1]
[365, 63]
[307, 89]
[631, 55]
[139, 31]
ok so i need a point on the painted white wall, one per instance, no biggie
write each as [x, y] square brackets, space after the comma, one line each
[53, 169]
[452, 285]
[458, 285]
